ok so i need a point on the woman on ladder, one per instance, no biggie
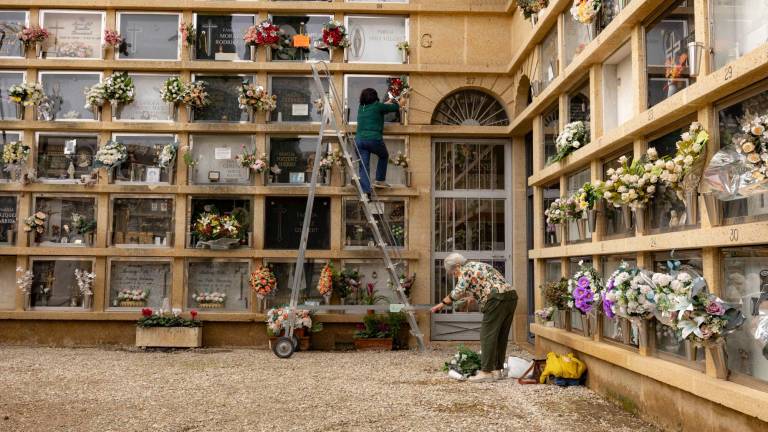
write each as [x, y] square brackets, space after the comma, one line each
[369, 138]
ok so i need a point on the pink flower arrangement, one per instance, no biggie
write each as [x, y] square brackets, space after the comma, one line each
[30, 35]
[188, 34]
[264, 34]
[112, 38]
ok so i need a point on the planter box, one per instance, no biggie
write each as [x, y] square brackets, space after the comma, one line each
[169, 337]
[384, 344]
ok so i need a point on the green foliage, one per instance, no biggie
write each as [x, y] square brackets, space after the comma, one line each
[465, 362]
[380, 326]
[167, 321]
[556, 293]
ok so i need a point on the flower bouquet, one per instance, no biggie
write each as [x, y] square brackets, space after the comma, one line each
[111, 155]
[95, 97]
[85, 286]
[531, 8]
[196, 98]
[36, 223]
[252, 160]
[278, 321]
[119, 91]
[585, 11]
[253, 98]
[398, 87]
[556, 295]
[574, 213]
[167, 155]
[265, 34]
[588, 198]
[555, 216]
[24, 281]
[216, 231]
[546, 314]
[632, 186]
[24, 95]
[132, 298]
[263, 282]
[405, 49]
[34, 36]
[331, 158]
[334, 36]
[15, 156]
[673, 69]
[752, 143]
[188, 36]
[210, 299]
[325, 284]
[174, 92]
[584, 290]
[574, 136]
[400, 160]
[464, 364]
[113, 40]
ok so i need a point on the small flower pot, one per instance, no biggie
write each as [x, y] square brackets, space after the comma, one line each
[377, 344]
[169, 337]
[404, 56]
[714, 208]
[691, 207]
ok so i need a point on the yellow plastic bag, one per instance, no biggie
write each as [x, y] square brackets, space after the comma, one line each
[566, 366]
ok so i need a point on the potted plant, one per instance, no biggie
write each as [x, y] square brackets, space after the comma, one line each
[377, 332]
[168, 330]
[210, 299]
[132, 298]
[556, 295]
[277, 319]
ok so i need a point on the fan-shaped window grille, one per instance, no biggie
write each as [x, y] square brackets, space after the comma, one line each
[470, 108]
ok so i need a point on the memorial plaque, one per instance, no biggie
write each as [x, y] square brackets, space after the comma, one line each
[142, 221]
[223, 91]
[285, 217]
[375, 39]
[143, 156]
[59, 221]
[228, 277]
[5, 138]
[296, 97]
[54, 164]
[54, 283]
[8, 221]
[11, 23]
[8, 108]
[149, 36]
[147, 104]
[153, 276]
[74, 34]
[66, 92]
[220, 37]
[355, 84]
[205, 149]
[291, 25]
[293, 158]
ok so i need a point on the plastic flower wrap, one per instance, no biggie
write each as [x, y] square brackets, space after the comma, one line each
[167, 155]
[556, 212]
[466, 362]
[112, 154]
[398, 87]
[532, 7]
[112, 38]
[119, 88]
[574, 136]
[585, 11]
[263, 282]
[215, 297]
[628, 294]
[753, 144]
[682, 172]
[584, 289]
[334, 35]
[133, 295]
[174, 90]
[256, 97]
[633, 184]
[95, 95]
[212, 226]
[325, 284]
[197, 96]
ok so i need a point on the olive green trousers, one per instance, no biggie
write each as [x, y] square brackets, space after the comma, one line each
[498, 312]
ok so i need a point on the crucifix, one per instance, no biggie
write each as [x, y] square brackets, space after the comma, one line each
[133, 32]
[208, 35]
[281, 210]
[54, 29]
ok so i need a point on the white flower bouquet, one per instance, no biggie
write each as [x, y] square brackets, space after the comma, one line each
[680, 173]
[128, 296]
[574, 136]
[255, 97]
[585, 11]
[85, 281]
[112, 154]
[119, 88]
[174, 90]
[556, 212]
[24, 280]
[167, 155]
[26, 93]
[210, 298]
[95, 95]
[629, 294]
[633, 184]
[753, 144]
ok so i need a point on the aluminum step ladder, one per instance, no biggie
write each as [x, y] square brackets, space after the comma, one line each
[330, 104]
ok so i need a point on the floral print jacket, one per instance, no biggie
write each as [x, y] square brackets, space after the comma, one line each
[480, 280]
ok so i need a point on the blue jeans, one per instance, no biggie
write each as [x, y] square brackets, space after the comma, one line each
[365, 148]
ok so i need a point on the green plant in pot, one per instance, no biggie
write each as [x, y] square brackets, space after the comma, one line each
[378, 332]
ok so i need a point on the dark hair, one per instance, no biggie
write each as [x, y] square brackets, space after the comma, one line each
[368, 96]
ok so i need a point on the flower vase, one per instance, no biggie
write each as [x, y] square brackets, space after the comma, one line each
[404, 56]
[691, 207]
[534, 19]
[116, 108]
[327, 299]
[690, 350]
[87, 301]
[639, 218]
[592, 220]
[173, 111]
[260, 304]
[191, 51]
[343, 302]
[39, 50]
[643, 331]
[714, 209]
[671, 88]
[717, 354]
[96, 112]
[27, 301]
[19, 111]
[110, 175]
[251, 115]
[330, 53]
[591, 31]
[559, 318]
[581, 227]
[408, 178]
[585, 324]
[626, 216]
[189, 113]
[252, 49]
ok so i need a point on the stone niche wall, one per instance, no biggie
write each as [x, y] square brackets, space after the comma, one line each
[668, 407]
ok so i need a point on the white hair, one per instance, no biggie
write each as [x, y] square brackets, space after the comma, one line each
[453, 260]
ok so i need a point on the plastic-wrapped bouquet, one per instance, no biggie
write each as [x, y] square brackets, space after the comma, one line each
[15, 154]
[584, 289]
[197, 95]
[465, 362]
[678, 172]
[174, 90]
[334, 35]
[112, 38]
[188, 34]
[263, 282]
[167, 155]
[585, 11]
[574, 136]
[264, 34]
[252, 160]
[112, 154]
[627, 294]
[400, 160]
[753, 144]
[673, 292]
[325, 284]
[255, 97]
[95, 96]
[398, 87]
[707, 319]
[212, 226]
[277, 319]
[119, 88]
[633, 184]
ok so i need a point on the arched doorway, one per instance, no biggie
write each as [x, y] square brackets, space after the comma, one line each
[470, 107]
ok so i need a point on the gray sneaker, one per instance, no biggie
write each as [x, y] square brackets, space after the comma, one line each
[381, 185]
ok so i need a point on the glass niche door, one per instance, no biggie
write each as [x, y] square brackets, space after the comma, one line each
[473, 216]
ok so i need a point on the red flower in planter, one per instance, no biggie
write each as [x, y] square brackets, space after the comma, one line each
[146, 312]
[193, 313]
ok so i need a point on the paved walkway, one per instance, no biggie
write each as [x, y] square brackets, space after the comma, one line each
[94, 389]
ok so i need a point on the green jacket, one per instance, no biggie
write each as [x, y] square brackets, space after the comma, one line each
[370, 120]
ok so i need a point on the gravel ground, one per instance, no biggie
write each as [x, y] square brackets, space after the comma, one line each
[91, 389]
